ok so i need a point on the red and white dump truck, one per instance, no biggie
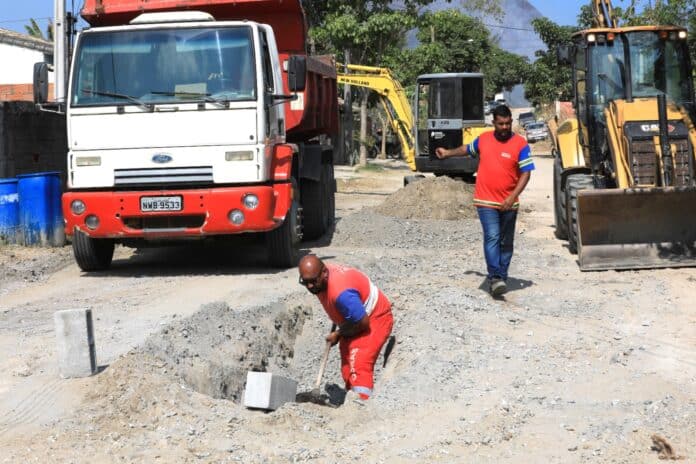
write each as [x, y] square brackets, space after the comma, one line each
[194, 119]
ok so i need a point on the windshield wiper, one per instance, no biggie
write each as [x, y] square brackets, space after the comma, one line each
[146, 106]
[206, 97]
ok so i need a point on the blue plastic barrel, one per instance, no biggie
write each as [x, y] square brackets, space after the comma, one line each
[40, 214]
[9, 210]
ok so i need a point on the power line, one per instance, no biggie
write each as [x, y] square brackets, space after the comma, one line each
[510, 27]
[5, 21]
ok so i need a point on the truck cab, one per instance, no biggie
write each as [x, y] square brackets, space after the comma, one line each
[183, 125]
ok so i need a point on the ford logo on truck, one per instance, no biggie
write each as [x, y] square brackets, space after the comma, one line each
[161, 158]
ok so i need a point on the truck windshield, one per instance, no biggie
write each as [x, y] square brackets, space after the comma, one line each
[164, 66]
[657, 66]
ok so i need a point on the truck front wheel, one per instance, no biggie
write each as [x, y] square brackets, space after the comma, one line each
[283, 243]
[92, 254]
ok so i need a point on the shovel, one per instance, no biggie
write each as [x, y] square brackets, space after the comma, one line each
[316, 391]
[315, 396]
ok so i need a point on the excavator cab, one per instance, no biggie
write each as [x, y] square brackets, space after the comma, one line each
[629, 196]
[449, 111]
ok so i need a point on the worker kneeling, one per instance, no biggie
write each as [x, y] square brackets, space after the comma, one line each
[361, 312]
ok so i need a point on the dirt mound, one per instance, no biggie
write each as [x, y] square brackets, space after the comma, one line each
[213, 349]
[431, 198]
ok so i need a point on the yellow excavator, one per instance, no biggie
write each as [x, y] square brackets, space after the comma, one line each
[448, 113]
[624, 186]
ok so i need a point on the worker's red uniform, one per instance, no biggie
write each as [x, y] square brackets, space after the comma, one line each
[349, 296]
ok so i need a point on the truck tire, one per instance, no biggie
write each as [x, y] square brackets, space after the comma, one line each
[316, 205]
[559, 203]
[92, 254]
[283, 242]
[330, 194]
[575, 183]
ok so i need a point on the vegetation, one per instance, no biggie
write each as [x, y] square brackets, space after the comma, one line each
[34, 30]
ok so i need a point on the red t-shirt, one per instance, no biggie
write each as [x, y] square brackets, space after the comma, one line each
[500, 166]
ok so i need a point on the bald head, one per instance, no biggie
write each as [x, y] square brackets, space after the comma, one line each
[310, 266]
[313, 273]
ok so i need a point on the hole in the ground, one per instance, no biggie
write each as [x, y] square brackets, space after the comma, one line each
[213, 349]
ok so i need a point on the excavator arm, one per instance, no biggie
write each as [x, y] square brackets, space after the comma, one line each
[604, 14]
[381, 81]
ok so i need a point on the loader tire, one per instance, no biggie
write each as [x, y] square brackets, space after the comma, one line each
[559, 203]
[575, 183]
[92, 254]
[283, 242]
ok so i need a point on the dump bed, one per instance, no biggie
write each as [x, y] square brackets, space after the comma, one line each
[315, 112]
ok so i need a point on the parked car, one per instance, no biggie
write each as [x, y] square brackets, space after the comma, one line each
[489, 106]
[525, 118]
[536, 131]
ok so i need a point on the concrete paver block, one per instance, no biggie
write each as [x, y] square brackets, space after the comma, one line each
[268, 391]
[77, 356]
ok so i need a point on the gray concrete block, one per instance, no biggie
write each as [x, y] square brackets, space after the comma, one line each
[75, 341]
[268, 391]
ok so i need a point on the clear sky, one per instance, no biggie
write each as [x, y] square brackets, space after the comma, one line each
[565, 12]
[14, 14]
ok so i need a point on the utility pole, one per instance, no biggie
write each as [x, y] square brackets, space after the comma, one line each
[60, 59]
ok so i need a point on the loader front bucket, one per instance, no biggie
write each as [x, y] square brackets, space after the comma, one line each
[636, 228]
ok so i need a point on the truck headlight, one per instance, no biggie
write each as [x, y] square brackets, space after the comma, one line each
[88, 161]
[78, 207]
[246, 155]
[250, 201]
[236, 217]
[92, 221]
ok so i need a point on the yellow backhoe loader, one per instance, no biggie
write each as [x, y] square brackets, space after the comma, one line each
[448, 113]
[624, 189]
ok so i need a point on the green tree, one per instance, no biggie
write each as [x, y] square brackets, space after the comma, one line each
[34, 30]
[503, 70]
[451, 41]
[361, 32]
[547, 80]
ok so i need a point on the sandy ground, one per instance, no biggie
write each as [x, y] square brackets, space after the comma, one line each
[569, 367]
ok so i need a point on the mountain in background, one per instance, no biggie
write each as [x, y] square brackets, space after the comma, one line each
[514, 33]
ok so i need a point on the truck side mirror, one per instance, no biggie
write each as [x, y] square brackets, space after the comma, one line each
[297, 73]
[563, 54]
[40, 83]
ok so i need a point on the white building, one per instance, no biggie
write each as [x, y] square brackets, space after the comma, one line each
[18, 53]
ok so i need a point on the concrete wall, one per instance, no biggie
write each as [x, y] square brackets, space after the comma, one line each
[17, 75]
[19, 64]
[31, 141]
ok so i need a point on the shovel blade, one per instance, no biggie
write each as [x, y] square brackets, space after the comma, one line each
[636, 228]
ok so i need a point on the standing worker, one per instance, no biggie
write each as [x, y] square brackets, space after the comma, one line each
[361, 312]
[505, 166]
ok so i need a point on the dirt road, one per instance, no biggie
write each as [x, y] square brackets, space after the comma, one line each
[570, 367]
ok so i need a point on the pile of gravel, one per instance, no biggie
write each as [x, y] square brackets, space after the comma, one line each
[431, 198]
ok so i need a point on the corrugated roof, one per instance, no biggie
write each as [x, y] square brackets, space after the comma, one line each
[26, 41]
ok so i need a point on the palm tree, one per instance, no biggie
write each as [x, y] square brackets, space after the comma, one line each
[34, 30]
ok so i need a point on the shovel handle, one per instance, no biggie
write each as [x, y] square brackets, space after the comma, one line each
[324, 359]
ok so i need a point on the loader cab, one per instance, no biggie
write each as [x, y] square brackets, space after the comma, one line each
[446, 106]
[626, 64]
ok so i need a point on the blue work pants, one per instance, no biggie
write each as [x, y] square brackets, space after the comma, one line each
[498, 236]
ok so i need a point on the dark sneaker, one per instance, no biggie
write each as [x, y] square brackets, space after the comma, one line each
[498, 287]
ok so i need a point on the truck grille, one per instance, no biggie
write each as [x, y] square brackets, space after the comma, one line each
[158, 176]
